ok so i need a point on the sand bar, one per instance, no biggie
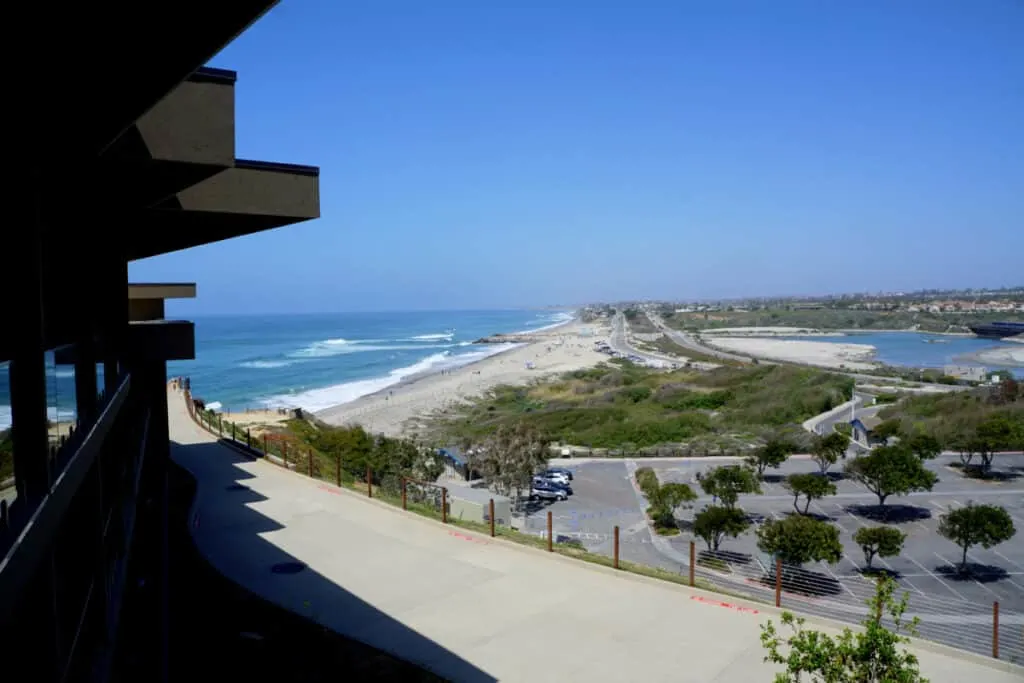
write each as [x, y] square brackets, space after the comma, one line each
[823, 354]
[394, 410]
[772, 332]
[1009, 356]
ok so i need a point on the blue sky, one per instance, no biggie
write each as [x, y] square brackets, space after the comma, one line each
[484, 154]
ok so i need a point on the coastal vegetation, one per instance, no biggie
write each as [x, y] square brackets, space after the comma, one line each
[662, 498]
[622, 405]
[976, 422]
[835, 319]
[6, 455]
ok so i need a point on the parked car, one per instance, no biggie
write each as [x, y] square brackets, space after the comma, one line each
[559, 470]
[555, 476]
[547, 493]
[550, 483]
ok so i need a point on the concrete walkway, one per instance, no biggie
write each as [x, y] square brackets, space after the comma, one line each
[463, 605]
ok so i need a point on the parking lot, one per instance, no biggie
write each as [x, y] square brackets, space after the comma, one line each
[605, 497]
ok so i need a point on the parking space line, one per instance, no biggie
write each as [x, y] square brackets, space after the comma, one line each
[975, 580]
[837, 579]
[937, 578]
[1015, 564]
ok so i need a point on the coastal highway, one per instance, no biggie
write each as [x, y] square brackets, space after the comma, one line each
[617, 342]
[688, 342]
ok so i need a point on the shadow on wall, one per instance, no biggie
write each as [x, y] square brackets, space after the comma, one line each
[267, 571]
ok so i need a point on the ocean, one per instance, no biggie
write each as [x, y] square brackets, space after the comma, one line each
[316, 361]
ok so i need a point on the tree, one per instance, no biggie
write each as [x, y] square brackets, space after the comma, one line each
[826, 450]
[886, 429]
[662, 499]
[727, 483]
[872, 655]
[772, 454]
[509, 457]
[799, 539]
[891, 470]
[715, 522]
[984, 525]
[812, 486]
[994, 434]
[882, 541]
[923, 445]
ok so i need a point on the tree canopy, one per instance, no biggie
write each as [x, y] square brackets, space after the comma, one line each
[810, 486]
[727, 483]
[891, 470]
[984, 525]
[882, 541]
[826, 450]
[715, 522]
[874, 654]
[772, 454]
[799, 539]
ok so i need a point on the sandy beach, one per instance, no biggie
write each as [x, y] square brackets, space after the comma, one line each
[823, 354]
[396, 410]
[771, 332]
[1009, 356]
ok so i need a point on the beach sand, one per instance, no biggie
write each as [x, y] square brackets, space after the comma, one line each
[1009, 356]
[395, 411]
[771, 332]
[823, 354]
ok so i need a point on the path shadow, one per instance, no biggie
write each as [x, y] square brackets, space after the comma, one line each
[803, 582]
[229, 532]
[891, 514]
[974, 571]
[979, 473]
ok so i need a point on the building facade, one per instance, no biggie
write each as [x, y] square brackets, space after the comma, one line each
[126, 151]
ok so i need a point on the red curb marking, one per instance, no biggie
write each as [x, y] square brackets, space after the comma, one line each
[719, 603]
[329, 489]
[466, 537]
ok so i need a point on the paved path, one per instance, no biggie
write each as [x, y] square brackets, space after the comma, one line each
[469, 608]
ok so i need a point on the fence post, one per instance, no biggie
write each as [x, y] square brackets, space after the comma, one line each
[311, 463]
[284, 453]
[265, 451]
[995, 630]
[491, 512]
[616, 556]
[404, 504]
[444, 505]
[693, 562]
[550, 540]
[369, 482]
[220, 425]
[337, 471]
[778, 582]
[248, 438]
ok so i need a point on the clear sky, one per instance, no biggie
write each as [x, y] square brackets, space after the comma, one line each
[491, 154]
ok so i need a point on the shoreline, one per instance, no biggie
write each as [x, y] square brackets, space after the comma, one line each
[397, 409]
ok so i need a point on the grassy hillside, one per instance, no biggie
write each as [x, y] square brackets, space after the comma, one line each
[947, 416]
[621, 404]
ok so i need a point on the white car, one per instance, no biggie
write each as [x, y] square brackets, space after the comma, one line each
[548, 494]
[557, 477]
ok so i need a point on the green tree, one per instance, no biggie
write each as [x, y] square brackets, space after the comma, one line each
[887, 428]
[994, 434]
[715, 522]
[727, 483]
[811, 486]
[826, 450]
[984, 525]
[891, 470]
[882, 541]
[662, 499]
[772, 454]
[874, 654]
[799, 539]
[924, 445]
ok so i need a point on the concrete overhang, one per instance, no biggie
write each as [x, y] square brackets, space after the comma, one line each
[184, 139]
[146, 301]
[144, 341]
[248, 198]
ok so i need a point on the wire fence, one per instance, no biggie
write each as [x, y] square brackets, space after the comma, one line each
[983, 628]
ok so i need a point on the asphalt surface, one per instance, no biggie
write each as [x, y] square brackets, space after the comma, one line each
[955, 609]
